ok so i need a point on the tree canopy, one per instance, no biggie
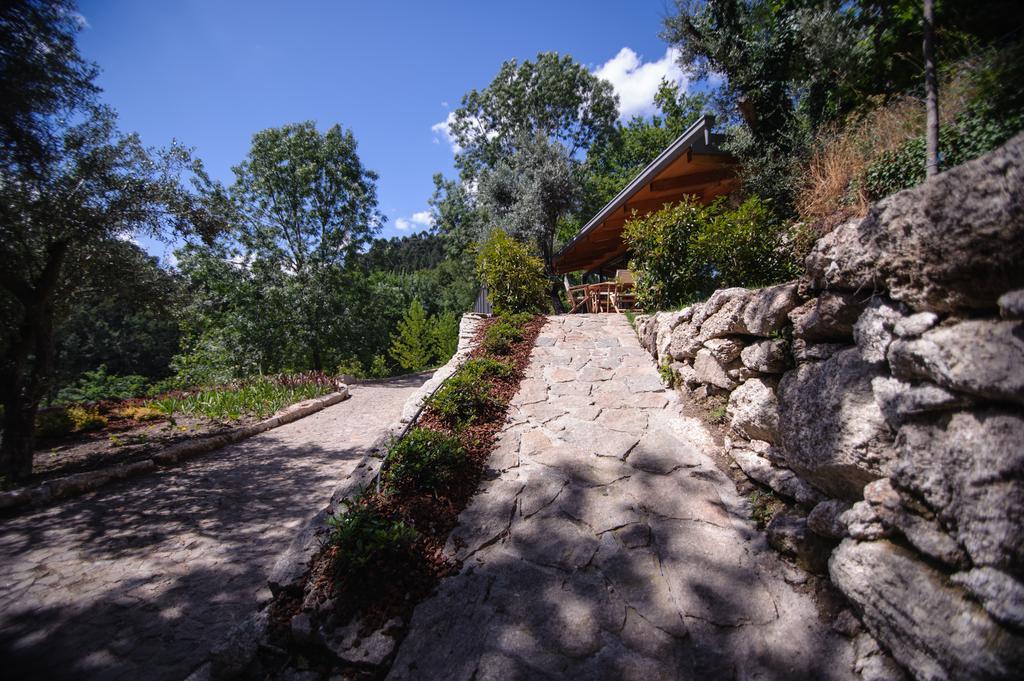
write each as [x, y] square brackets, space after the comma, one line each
[554, 97]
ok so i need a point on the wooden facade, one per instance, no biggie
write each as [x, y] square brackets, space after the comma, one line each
[692, 164]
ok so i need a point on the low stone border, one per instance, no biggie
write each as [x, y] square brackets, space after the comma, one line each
[80, 483]
[234, 652]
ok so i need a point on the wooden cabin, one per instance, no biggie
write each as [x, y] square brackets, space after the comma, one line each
[692, 164]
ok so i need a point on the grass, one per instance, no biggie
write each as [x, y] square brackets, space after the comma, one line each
[260, 398]
[763, 507]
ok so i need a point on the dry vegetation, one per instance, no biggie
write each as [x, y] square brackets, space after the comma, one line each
[830, 193]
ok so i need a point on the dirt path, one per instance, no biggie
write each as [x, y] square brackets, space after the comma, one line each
[607, 545]
[138, 580]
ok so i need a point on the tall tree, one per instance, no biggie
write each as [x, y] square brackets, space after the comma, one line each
[304, 206]
[412, 345]
[528, 193]
[554, 97]
[69, 182]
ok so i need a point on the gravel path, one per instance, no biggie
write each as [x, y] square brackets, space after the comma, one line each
[607, 545]
[138, 580]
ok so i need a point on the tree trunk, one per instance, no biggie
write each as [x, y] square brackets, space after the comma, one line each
[931, 91]
[27, 368]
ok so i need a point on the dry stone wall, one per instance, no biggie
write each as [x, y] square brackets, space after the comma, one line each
[883, 393]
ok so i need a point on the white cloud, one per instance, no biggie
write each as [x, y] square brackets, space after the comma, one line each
[443, 129]
[635, 82]
[420, 220]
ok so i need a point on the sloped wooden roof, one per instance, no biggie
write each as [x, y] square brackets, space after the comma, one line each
[692, 164]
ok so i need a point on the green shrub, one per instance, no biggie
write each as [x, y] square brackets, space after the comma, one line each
[52, 423]
[485, 367]
[86, 419]
[93, 386]
[685, 251]
[462, 398]
[423, 461]
[141, 413]
[363, 536]
[514, 278]
[500, 336]
[974, 133]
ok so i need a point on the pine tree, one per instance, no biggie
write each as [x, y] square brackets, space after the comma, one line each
[412, 346]
[444, 335]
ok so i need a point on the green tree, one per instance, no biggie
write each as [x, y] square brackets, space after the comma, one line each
[304, 205]
[553, 96]
[782, 70]
[444, 335]
[528, 193]
[69, 183]
[412, 345]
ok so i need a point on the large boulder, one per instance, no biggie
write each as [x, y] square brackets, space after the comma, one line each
[757, 312]
[875, 328]
[901, 401]
[933, 629]
[684, 341]
[968, 468]
[979, 357]
[829, 317]
[709, 370]
[665, 322]
[831, 429]
[954, 242]
[766, 356]
[753, 411]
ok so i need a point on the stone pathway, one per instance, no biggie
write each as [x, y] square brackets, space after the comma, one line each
[607, 545]
[140, 579]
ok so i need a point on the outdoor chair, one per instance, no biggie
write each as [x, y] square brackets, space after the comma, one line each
[577, 295]
[624, 297]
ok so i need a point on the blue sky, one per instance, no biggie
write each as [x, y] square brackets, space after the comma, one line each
[211, 74]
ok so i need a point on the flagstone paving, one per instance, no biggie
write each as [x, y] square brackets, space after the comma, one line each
[140, 579]
[607, 545]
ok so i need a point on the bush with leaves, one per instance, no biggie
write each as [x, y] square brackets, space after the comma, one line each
[364, 537]
[86, 419]
[93, 386]
[462, 398]
[685, 251]
[498, 339]
[423, 461]
[666, 271]
[514, 277]
[975, 132]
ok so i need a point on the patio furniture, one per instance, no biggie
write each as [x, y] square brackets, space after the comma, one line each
[577, 295]
[624, 297]
[601, 296]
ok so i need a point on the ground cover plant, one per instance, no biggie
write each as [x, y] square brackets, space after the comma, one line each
[107, 430]
[384, 550]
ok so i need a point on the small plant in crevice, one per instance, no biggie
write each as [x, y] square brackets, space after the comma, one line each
[668, 376]
[631, 318]
[363, 536]
[763, 507]
[423, 461]
[717, 414]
